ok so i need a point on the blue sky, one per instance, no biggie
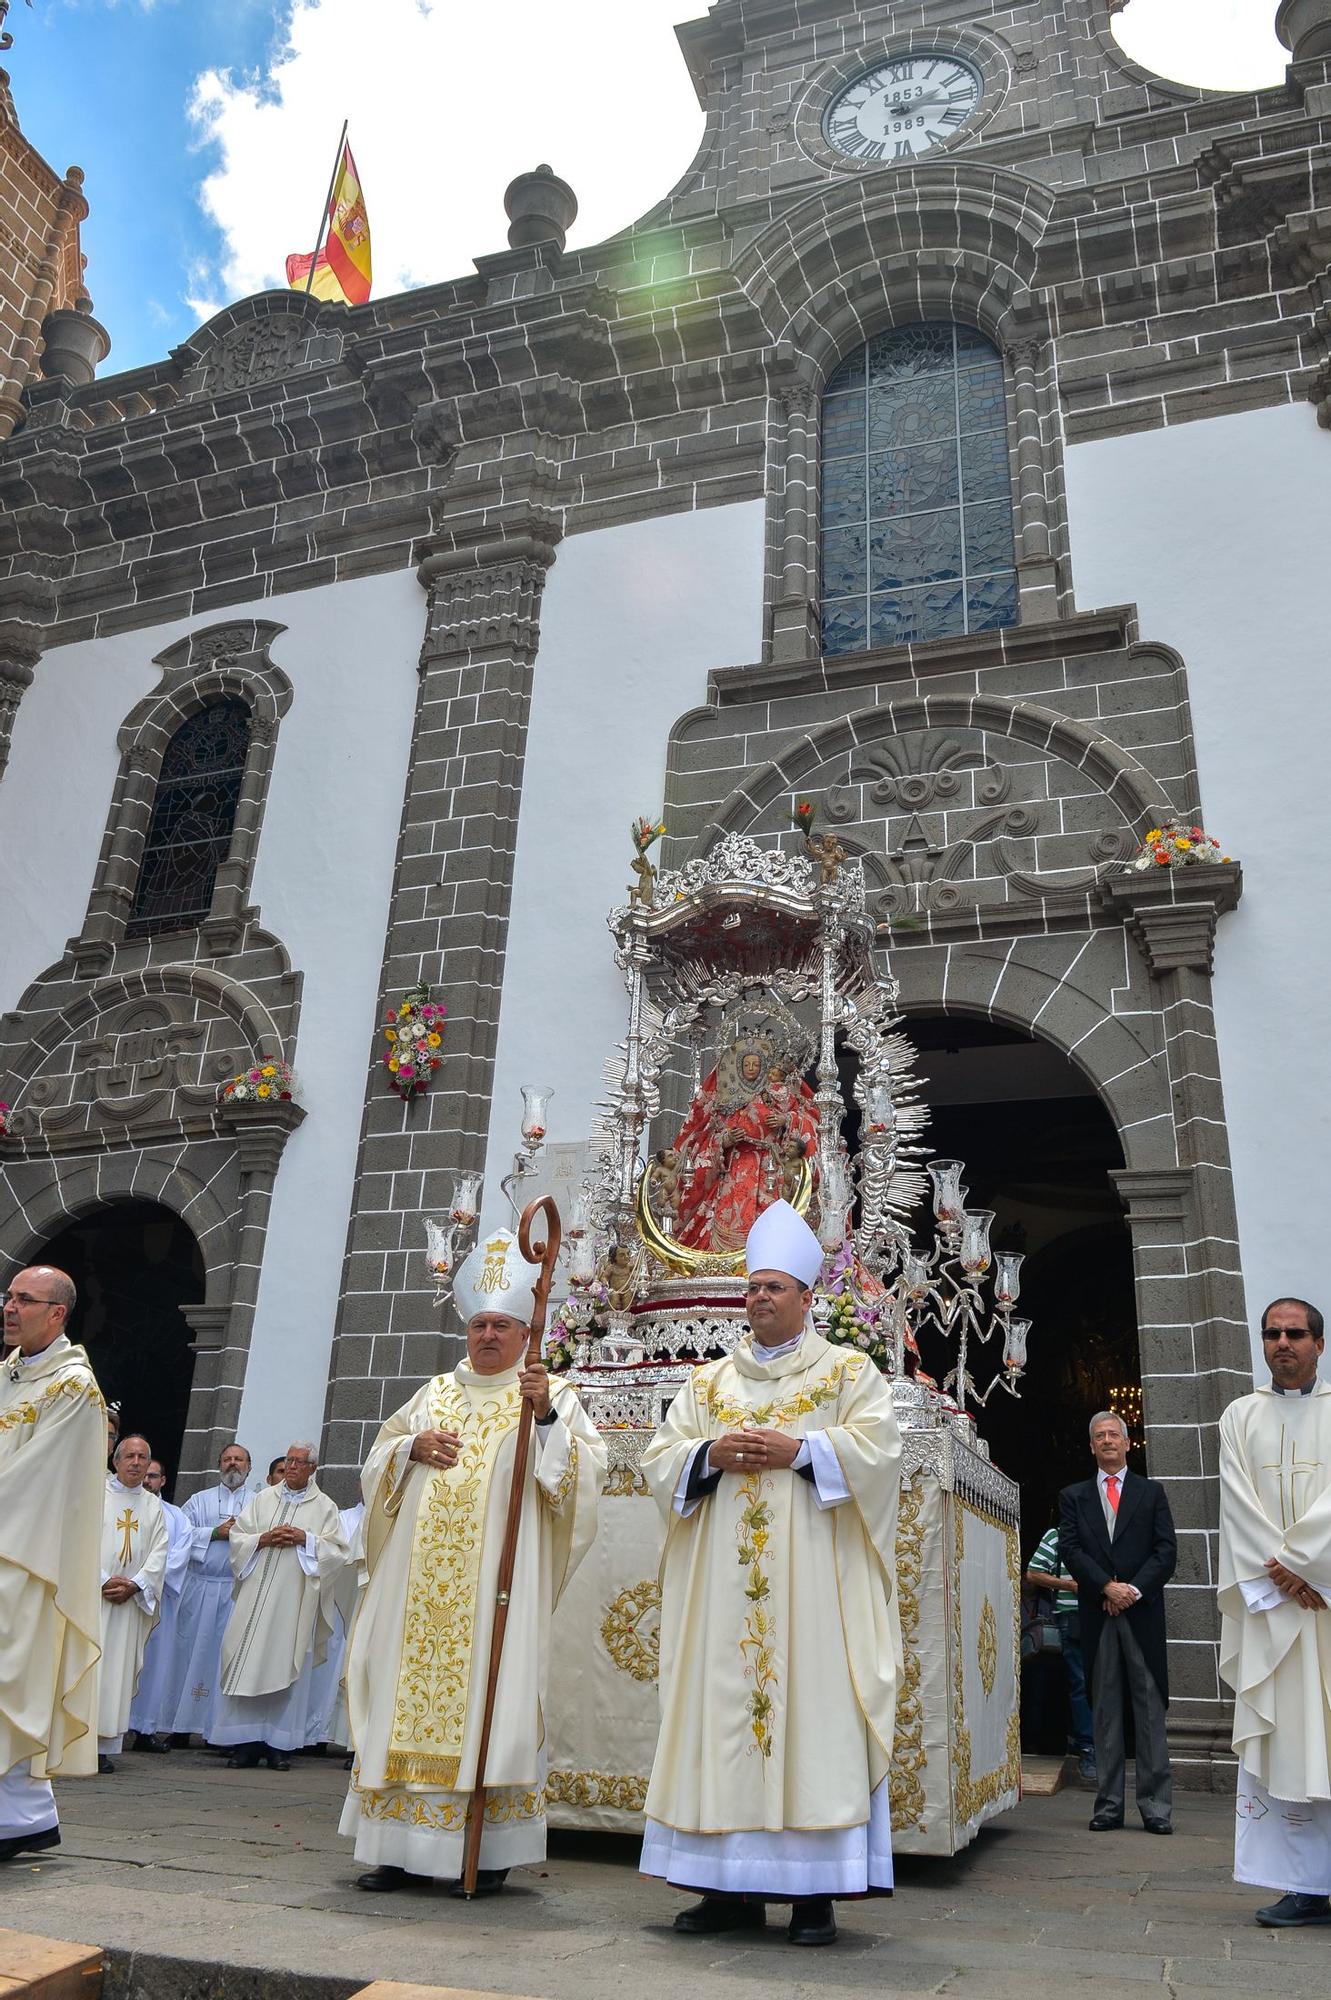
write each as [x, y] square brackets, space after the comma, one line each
[206, 127]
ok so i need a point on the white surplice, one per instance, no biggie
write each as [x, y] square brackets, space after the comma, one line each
[327, 1719]
[149, 1711]
[1275, 1501]
[205, 1605]
[134, 1544]
[419, 1650]
[780, 1646]
[52, 1476]
[282, 1618]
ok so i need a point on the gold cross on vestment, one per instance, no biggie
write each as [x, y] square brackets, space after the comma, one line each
[1292, 1469]
[127, 1524]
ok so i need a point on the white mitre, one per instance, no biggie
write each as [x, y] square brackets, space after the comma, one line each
[496, 1277]
[780, 1240]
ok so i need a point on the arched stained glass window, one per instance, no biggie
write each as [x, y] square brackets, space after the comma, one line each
[194, 811]
[916, 501]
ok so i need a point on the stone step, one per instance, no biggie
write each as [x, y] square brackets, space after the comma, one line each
[40, 1968]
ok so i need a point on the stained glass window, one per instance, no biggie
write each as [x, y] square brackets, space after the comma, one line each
[194, 811]
[917, 502]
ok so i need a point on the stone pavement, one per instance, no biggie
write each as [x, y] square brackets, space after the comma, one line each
[181, 1859]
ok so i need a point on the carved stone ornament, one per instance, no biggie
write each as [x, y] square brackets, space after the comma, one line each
[917, 771]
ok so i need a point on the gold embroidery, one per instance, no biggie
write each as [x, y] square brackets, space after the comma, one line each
[908, 1753]
[633, 1649]
[68, 1385]
[127, 1525]
[757, 1645]
[434, 1671]
[554, 1501]
[986, 1647]
[771, 1416]
[622, 1481]
[596, 1788]
[449, 1815]
[974, 1794]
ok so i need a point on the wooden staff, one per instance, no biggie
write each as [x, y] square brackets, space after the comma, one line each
[543, 1254]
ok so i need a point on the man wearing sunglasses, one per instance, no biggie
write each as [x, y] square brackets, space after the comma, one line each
[1275, 1635]
[52, 1476]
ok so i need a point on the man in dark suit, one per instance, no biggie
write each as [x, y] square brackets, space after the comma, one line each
[1116, 1536]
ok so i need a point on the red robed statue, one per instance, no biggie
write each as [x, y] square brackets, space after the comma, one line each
[749, 1126]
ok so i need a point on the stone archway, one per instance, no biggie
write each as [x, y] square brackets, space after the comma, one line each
[136, 1265]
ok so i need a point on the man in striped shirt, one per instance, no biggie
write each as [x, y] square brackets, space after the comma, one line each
[1046, 1572]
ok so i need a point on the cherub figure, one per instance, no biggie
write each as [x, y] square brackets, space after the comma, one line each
[619, 1275]
[643, 832]
[823, 848]
[665, 1183]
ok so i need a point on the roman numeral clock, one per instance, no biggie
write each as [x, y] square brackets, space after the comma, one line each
[902, 108]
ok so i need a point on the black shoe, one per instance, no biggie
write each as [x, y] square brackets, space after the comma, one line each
[812, 1921]
[349, 1761]
[153, 1746]
[1295, 1909]
[29, 1843]
[721, 1913]
[179, 1739]
[244, 1757]
[277, 1762]
[1157, 1826]
[384, 1880]
[489, 1881]
[105, 1768]
[1106, 1822]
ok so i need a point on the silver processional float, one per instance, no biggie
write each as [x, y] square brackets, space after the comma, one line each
[748, 971]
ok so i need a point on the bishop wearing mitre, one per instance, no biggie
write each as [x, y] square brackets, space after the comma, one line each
[777, 1471]
[287, 1549]
[52, 1471]
[1275, 1629]
[135, 1544]
[437, 1485]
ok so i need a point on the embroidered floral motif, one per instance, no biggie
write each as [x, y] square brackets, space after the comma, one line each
[758, 1644]
[76, 1387]
[772, 1415]
[449, 1815]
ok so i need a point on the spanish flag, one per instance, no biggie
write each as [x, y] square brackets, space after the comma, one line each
[342, 266]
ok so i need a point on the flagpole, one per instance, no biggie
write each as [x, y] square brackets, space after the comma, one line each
[323, 219]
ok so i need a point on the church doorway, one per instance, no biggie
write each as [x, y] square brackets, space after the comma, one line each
[1039, 1148]
[135, 1265]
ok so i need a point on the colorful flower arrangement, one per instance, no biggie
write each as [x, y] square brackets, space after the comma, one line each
[414, 1032]
[265, 1083]
[4, 1120]
[1176, 845]
[644, 832]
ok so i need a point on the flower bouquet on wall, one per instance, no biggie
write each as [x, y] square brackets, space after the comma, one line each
[414, 1032]
[266, 1083]
[1176, 845]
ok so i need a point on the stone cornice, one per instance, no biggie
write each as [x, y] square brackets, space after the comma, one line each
[1173, 912]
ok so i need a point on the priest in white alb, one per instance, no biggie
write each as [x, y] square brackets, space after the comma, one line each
[437, 1485]
[777, 1470]
[1275, 1630]
[287, 1549]
[205, 1599]
[52, 1475]
[149, 1716]
[135, 1542]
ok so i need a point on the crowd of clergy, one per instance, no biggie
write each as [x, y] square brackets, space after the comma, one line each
[262, 1619]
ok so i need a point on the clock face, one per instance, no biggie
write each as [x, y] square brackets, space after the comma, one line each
[904, 107]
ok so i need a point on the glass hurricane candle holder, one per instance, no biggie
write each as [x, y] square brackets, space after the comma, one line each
[439, 1241]
[1014, 1347]
[535, 1113]
[579, 1214]
[879, 1118]
[1007, 1282]
[466, 1204]
[975, 1254]
[582, 1261]
[914, 1276]
[948, 1199]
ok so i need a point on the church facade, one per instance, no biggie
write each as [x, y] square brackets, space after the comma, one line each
[947, 447]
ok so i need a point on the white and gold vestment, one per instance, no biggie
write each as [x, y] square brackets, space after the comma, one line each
[135, 1543]
[780, 1644]
[418, 1657]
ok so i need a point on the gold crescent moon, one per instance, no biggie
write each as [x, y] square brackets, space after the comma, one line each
[683, 1260]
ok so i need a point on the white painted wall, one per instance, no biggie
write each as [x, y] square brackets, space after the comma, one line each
[1219, 531]
[633, 620]
[322, 881]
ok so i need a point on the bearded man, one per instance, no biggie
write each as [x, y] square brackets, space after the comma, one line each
[777, 1470]
[205, 1599]
[436, 1486]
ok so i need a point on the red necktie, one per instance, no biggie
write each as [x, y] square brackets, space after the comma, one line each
[1111, 1489]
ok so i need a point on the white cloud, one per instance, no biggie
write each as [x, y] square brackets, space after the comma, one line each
[447, 103]
[1222, 44]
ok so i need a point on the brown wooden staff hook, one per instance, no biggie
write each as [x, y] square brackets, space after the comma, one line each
[545, 1255]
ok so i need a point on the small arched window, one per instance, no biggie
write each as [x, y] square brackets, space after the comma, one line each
[194, 811]
[916, 493]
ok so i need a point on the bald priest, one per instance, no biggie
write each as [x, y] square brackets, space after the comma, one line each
[777, 1470]
[437, 1486]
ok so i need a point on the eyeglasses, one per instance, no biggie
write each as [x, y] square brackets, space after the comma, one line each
[24, 1299]
[770, 1291]
[1290, 1332]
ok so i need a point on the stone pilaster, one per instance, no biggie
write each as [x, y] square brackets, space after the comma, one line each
[1037, 567]
[26, 604]
[795, 624]
[447, 928]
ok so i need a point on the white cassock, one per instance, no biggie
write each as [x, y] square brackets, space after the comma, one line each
[282, 1618]
[780, 1639]
[327, 1720]
[149, 1711]
[134, 1544]
[1275, 1500]
[419, 1654]
[205, 1606]
[52, 1477]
